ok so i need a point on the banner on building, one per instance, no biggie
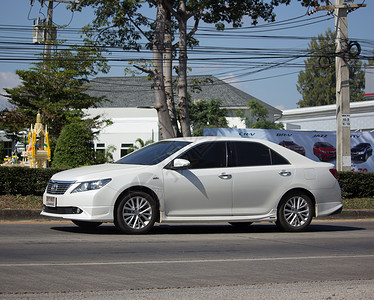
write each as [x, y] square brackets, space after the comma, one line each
[316, 145]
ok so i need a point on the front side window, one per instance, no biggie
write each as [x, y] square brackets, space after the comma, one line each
[207, 155]
[247, 154]
[153, 154]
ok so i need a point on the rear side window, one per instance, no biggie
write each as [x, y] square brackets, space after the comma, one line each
[247, 154]
[207, 155]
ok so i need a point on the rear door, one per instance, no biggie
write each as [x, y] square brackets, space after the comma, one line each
[260, 176]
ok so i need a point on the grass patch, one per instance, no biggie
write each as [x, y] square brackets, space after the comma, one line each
[21, 202]
[358, 203]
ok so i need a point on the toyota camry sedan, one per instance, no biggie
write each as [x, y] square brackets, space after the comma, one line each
[206, 179]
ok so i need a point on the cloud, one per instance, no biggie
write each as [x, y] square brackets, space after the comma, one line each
[7, 80]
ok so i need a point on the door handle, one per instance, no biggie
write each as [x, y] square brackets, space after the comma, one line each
[284, 173]
[225, 176]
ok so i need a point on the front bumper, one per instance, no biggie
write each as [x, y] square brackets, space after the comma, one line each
[94, 205]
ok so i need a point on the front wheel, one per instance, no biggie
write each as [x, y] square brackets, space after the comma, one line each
[135, 213]
[295, 212]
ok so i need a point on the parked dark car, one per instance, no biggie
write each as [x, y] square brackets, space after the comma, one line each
[361, 152]
[293, 146]
[324, 151]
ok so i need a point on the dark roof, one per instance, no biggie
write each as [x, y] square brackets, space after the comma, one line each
[137, 91]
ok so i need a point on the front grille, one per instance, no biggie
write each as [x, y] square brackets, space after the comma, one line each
[58, 187]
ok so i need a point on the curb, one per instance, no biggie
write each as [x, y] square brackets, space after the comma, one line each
[34, 214]
[353, 214]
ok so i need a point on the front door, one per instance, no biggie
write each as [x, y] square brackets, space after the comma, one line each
[205, 188]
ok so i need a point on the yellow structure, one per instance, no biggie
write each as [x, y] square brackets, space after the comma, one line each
[38, 151]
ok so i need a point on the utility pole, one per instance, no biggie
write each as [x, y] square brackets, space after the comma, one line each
[342, 56]
[48, 33]
[343, 110]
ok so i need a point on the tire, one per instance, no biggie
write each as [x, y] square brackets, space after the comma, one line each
[240, 224]
[295, 212]
[135, 213]
[86, 225]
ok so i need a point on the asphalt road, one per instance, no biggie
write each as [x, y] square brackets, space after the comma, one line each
[332, 260]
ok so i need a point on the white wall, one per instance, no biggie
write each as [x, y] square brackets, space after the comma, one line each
[323, 118]
[129, 124]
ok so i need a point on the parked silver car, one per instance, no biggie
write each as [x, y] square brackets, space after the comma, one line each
[210, 179]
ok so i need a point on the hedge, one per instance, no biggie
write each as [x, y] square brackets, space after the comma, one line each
[356, 185]
[26, 181]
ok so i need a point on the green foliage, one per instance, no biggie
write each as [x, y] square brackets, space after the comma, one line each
[204, 114]
[55, 87]
[74, 146]
[356, 185]
[24, 181]
[103, 157]
[139, 143]
[258, 117]
[317, 83]
[2, 152]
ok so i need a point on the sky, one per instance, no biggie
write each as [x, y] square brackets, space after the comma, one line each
[263, 61]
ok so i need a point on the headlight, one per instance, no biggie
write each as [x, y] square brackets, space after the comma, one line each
[91, 185]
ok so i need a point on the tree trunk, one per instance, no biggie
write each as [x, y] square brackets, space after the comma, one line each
[168, 75]
[182, 79]
[166, 129]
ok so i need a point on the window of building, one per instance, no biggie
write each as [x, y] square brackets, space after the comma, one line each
[124, 148]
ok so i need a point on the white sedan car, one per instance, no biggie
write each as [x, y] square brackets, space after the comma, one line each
[210, 179]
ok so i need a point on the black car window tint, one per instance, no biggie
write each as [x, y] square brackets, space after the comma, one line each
[277, 159]
[246, 154]
[254, 154]
[153, 153]
[206, 155]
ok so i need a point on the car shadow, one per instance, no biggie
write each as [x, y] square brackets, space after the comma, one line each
[162, 229]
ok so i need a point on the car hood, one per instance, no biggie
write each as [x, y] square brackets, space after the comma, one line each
[97, 172]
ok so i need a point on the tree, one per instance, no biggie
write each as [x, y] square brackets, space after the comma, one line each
[55, 87]
[74, 146]
[120, 23]
[139, 143]
[204, 114]
[258, 117]
[317, 83]
[105, 156]
[2, 152]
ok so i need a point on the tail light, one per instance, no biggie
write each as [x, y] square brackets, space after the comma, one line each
[334, 173]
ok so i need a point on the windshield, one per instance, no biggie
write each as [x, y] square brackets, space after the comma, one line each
[152, 154]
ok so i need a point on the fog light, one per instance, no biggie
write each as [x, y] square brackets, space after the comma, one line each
[78, 210]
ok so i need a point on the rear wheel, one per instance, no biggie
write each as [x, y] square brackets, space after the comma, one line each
[135, 213]
[295, 212]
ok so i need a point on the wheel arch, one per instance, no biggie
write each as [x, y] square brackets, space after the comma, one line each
[139, 188]
[300, 190]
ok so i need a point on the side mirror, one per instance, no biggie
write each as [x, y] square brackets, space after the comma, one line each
[180, 163]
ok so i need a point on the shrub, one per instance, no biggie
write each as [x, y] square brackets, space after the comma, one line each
[74, 147]
[356, 185]
[2, 152]
[24, 181]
